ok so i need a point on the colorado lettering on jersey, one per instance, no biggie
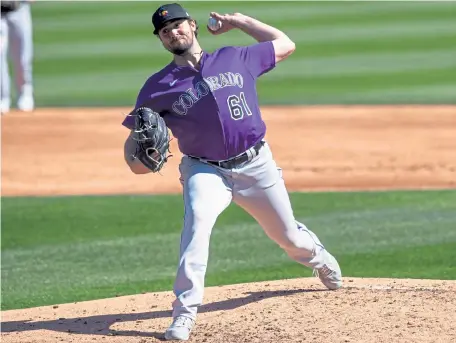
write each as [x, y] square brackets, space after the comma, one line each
[202, 88]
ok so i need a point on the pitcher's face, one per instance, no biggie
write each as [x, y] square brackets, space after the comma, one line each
[178, 35]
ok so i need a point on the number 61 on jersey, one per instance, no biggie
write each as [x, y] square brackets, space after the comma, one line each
[238, 106]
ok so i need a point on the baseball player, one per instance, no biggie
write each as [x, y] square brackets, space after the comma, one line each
[16, 36]
[209, 102]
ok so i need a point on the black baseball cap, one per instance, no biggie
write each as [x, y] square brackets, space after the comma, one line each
[166, 13]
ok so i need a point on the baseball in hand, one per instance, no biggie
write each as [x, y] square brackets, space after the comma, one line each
[214, 24]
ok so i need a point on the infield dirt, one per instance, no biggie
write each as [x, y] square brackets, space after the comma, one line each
[79, 151]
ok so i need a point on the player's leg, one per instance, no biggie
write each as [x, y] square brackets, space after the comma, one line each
[206, 195]
[22, 54]
[261, 191]
[5, 96]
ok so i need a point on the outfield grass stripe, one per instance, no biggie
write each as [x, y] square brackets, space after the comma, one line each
[367, 63]
[151, 46]
[437, 93]
[434, 94]
[352, 32]
[410, 93]
[419, 96]
[117, 98]
[350, 83]
[362, 63]
[107, 81]
[377, 46]
[107, 47]
[93, 21]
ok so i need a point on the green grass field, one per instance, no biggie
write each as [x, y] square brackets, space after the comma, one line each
[67, 249]
[100, 53]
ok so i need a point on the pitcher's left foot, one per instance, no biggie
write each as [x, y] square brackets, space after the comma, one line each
[180, 329]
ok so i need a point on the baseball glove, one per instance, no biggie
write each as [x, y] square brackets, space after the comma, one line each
[152, 138]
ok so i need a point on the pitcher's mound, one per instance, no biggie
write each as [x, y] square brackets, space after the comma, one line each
[297, 310]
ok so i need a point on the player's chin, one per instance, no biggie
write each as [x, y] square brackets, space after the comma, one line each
[179, 52]
[180, 49]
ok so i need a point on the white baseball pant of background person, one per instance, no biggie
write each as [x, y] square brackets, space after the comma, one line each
[256, 186]
[16, 41]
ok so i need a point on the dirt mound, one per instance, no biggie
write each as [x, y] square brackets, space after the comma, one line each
[80, 151]
[296, 310]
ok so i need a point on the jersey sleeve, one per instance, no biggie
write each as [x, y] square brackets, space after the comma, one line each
[259, 58]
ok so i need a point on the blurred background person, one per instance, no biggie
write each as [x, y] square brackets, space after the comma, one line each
[16, 42]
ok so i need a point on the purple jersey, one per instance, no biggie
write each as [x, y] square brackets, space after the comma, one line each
[214, 112]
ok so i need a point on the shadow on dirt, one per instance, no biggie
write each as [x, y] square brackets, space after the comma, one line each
[100, 325]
